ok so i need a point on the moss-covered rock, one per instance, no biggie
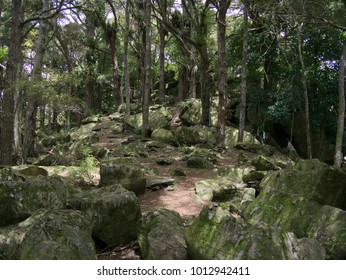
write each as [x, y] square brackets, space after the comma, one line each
[113, 211]
[329, 228]
[21, 199]
[177, 172]
[191, 112]
[253, 175]
[8, 244]
[186, 136]
[33, 171]
[59, 235]
[124, 171]
[218, 234]
[231, 137]
[161, 236]
[256, 148]
[163, 135]
[262, 163]
[199, 163]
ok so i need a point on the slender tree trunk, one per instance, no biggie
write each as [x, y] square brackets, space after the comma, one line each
[162, 84]
[182, 86]
[11, 78]
[192, 76]
[242, 113]
[126, 58]
[113, 39]
[221, 72]
[341, 118]
[205, 86]
[306, 97]
[147, 64]
[33, 101]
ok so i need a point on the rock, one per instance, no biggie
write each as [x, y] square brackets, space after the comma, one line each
[59, 235]
[83, 131]
[151, 170]
[164, 161]
[231, 137]
[33, 171]
[20, 199]
[160, 182]
[8, 244]
[262, 163]
[293, 198]
[199, 163]
[103, 125]
[135, 149]
[253, 176]
[177, 172]
[113, 211]
[159, 117]
[124, 171]
[161, 236]
[186, 136]
[329, 228]
[191, 112]
[9, 174]
[256, 148]
[91, 119]
[217, 234]
[164, 135]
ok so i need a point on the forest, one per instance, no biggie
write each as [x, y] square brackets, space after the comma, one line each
[199, 116]
[275, 67]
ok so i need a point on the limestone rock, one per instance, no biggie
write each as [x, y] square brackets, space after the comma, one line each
[124, 171]
[59, 235]
[191, 112]
[164, 135]
[262, 163]
[113, 211]
[177, 172]
[161, 236]
[161, 182]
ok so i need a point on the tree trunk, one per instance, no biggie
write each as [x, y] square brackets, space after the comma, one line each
[338, 158]
[113, 39]
[33, 101]
[306, 97]
[205, 85]
[11, 78]
[147, 64]
[162, 84]
[242, 113]
[126, 58]
[182, 86]
[221, 72]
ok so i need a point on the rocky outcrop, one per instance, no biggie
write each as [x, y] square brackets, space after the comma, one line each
[113, 211]
[20, 199]
[124, 171]
[220, 234]
[161, 236]
[59, 235]
[304, 200]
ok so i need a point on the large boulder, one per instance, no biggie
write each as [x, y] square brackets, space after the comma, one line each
[164, 135]
[191, 112]
[59, 235]
[219, 234]
[124, 171]
[113, 211]
[231, 137]
[329, 228]
[159, 117]
[20, 199]
[161, 236]
[304, 200]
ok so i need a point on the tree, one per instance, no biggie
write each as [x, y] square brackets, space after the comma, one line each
[338, 158]
[222, 7]
[147, 69]
[11, 84]
[242, 113]
[126, 57]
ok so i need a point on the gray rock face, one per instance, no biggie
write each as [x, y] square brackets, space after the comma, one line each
[59, 235]
[124, 171]
[113, 211]
[20, 199]
[161, 236]
[219, 234]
